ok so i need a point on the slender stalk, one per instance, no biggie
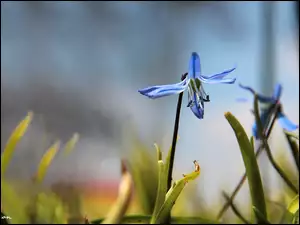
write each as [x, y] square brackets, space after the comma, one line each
[267, 132]
[267, 147]
[278, 169]
[175, 134]
[174, 141]
[235, 210]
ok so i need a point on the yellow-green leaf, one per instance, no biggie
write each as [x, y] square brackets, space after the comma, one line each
[173, 194]
[294, 205]
[71, 144]
[14, 139]
[46, 161]
[161, 189]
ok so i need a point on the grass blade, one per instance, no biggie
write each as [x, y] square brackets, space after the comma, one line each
[252, 170]
[173, 194]
[70, 145]
[14, 139]
[118, 210]
[162, 184]
[46, 161]
[260, 216]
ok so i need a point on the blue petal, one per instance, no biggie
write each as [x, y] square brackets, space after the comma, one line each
[217, 81]
[194, 66]
[254, 131]
[218, 76]
[285, 123]
[164, 90]
[263, 119]
[261, 98]
[196, 108]
[277, 92]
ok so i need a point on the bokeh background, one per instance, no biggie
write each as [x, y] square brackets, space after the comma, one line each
[78, 66]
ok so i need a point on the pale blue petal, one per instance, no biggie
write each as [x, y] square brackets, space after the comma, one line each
[219, 76]
[194, 66]
[217, 81]
[285, 123]
[164, 90]
[261, 98]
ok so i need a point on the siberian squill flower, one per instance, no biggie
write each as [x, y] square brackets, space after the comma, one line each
[193, 84]
[284, 122]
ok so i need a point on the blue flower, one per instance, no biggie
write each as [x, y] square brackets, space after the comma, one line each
[284, 122]
[193, 84]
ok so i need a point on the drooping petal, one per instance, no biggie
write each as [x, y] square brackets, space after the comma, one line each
[264, 120]
[164, 90]
[194, 66]
[285, 123]
[218, 76]
[197, 108]
[261, 98]
[277, 91]
[217, 81]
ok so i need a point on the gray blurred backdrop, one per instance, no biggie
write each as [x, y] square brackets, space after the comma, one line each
[78, 66]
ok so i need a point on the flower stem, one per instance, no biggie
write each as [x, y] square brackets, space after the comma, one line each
[175, 134]
[235, 209]
[174, 141]
[267, 147]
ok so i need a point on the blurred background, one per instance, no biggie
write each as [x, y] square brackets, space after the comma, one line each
[78, 66]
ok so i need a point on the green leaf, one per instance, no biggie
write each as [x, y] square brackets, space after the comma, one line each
[70, 145]
[46, 161]
[144, 219]
[260, 217]
[252, 142]
[162, 184]
[14, 139]
[173, 194]
[291, 134]
[294, 148]
[252, 170]
[294, 205]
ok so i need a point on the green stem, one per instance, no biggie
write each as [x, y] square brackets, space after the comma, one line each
[174, 141]
[267, 147]
[175, 134]
[235, 210]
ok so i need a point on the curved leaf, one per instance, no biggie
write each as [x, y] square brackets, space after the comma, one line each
[46, 161]
[71, 144]
[162, 184]
[173, 194]
[294, 205]
[252, 170]
[14, 139]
